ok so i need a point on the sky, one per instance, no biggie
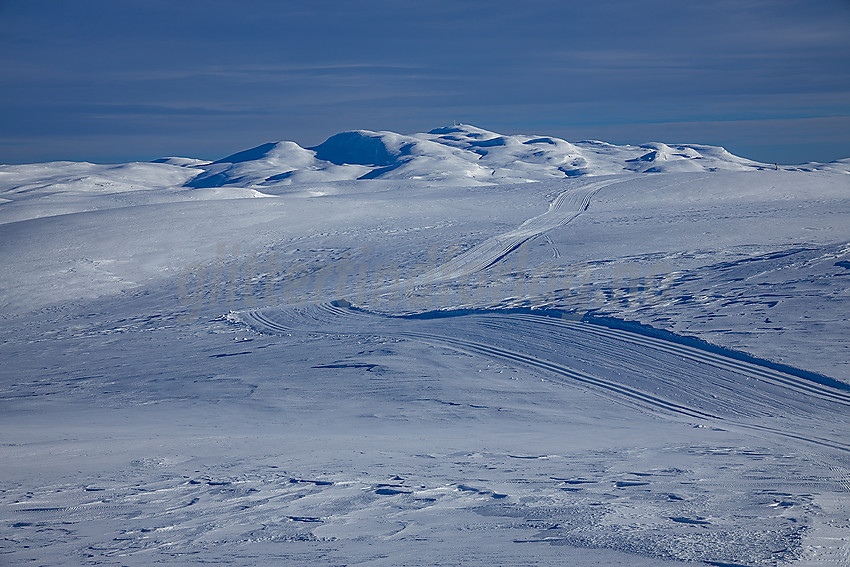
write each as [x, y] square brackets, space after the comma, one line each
[113, 81]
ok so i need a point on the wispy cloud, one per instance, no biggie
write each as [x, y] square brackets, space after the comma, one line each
[306, 69]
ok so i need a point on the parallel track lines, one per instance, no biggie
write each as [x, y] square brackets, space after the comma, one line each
[542, 364]
[359, 323]
[692, 353]
[494, 249]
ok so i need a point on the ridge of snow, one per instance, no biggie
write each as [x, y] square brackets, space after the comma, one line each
[463, 155]
[458, 155]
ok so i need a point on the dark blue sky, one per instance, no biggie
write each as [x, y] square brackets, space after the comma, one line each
[108, 80]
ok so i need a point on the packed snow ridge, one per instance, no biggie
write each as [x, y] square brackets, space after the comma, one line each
[463, 155]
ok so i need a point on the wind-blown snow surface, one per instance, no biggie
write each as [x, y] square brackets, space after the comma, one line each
[430, 365]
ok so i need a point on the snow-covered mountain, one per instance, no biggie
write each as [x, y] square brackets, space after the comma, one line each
[461, 155]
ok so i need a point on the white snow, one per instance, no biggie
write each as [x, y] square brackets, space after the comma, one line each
[412, 351]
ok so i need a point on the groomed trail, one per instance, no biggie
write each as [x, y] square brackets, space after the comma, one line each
[565, 208]
[647, 373]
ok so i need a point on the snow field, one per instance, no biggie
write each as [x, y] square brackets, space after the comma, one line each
[428, 365]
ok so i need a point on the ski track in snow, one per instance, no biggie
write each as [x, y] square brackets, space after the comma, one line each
[564, 209]
[639, 371]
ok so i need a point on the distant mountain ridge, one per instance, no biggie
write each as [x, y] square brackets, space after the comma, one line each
[463, 155]
[459, 155]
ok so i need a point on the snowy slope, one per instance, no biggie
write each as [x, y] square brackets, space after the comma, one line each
[445, 348]
[48, 189]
